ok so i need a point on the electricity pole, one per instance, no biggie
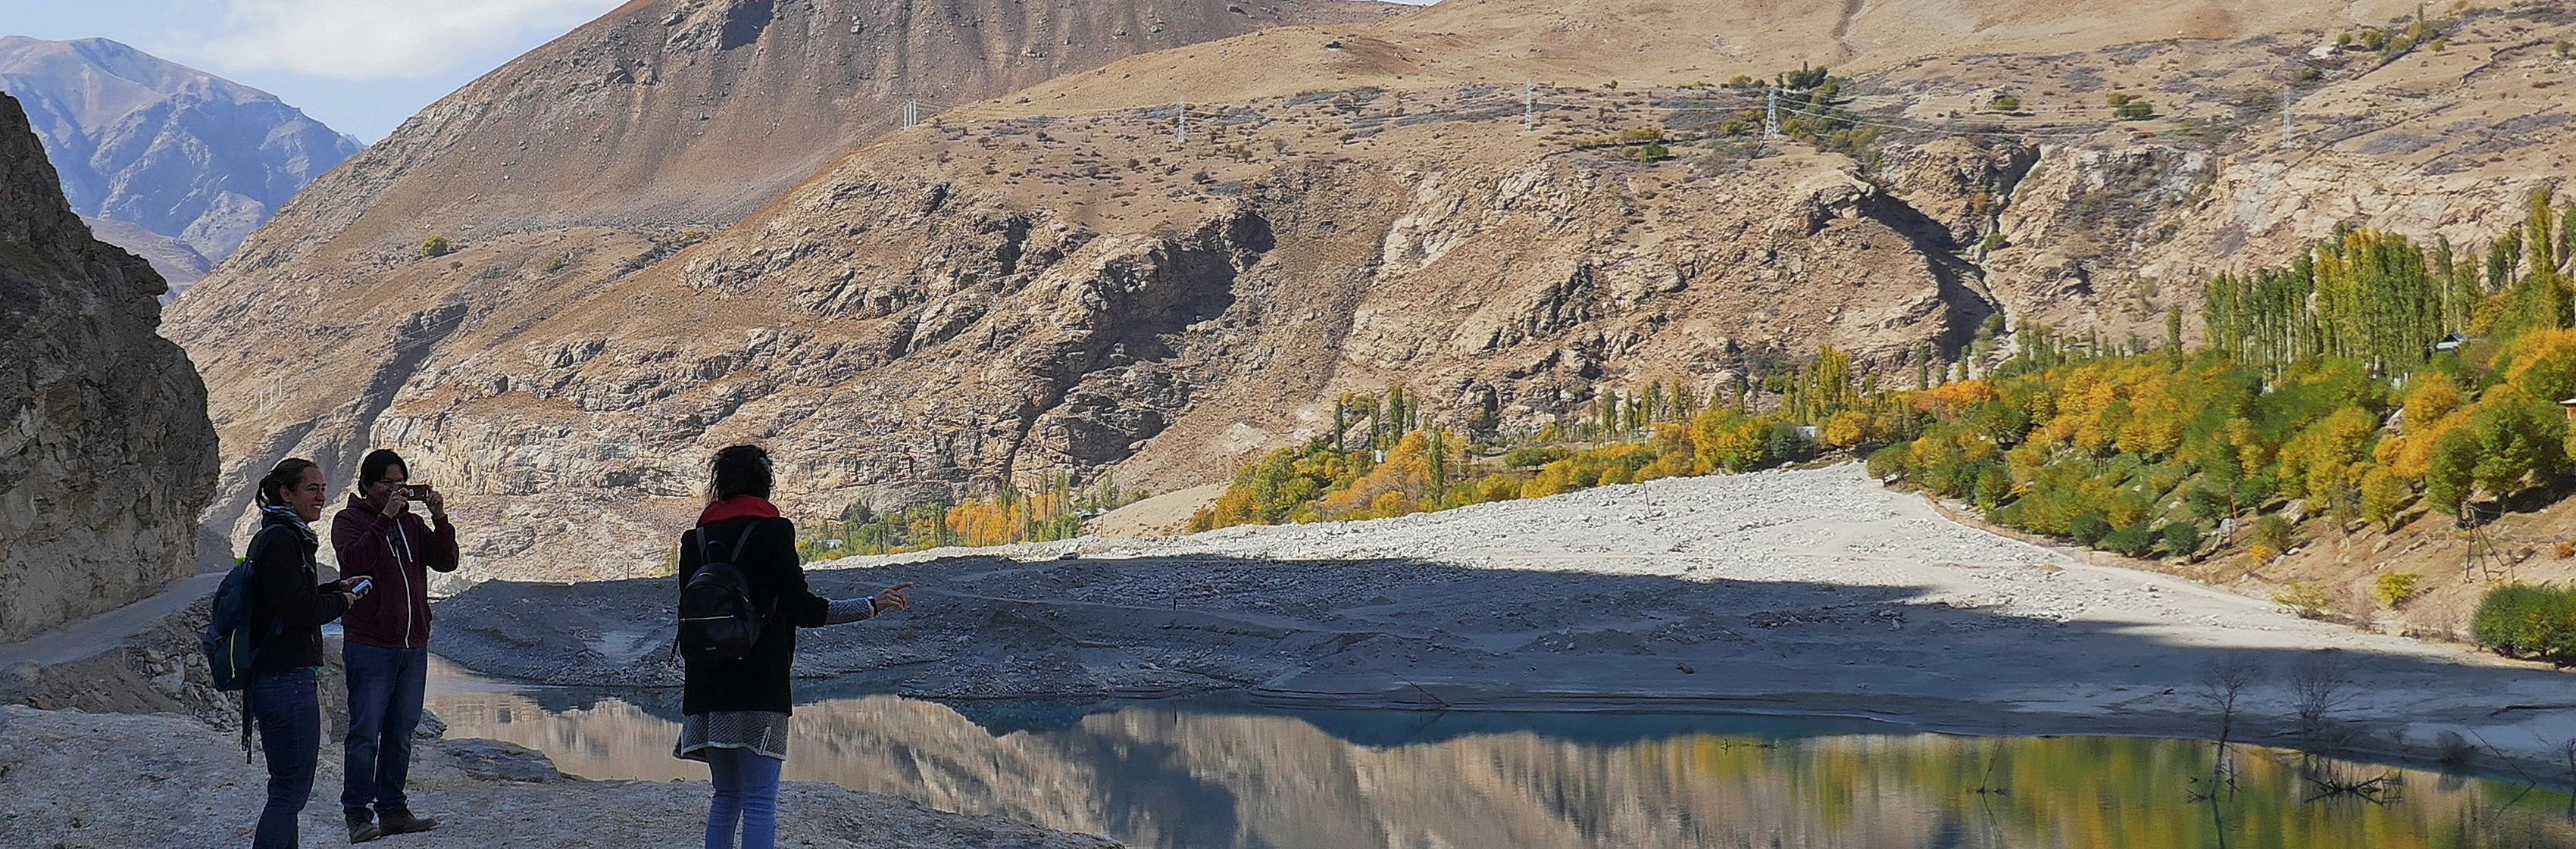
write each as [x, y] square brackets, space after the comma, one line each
[1182, 125]
[1529, 106]
[911, 114]
[1771, 115]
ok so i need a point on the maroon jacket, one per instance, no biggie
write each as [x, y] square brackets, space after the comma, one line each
[397, 552]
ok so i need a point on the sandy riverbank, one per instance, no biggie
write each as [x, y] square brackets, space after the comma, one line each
[1811, 592]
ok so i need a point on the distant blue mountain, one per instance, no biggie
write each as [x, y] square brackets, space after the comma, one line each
[173, 151]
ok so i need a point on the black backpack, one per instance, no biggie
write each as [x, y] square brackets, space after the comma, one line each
[717, 619]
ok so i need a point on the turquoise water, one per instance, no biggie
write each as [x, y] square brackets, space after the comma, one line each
[1202, 777]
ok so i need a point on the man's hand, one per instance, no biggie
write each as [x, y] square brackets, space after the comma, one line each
[396, 503]
[437, 504]
[890, 598]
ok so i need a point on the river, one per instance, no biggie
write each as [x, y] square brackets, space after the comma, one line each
[1212, 776]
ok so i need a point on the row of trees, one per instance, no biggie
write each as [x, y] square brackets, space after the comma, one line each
[2323, 382]
[1053, 512]
[2378, 297]
[1661, 429]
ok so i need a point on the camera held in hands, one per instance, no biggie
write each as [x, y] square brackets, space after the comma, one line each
[415, 491]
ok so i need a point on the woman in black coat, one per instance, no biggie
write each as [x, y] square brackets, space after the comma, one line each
[289, 605]
[735, 711]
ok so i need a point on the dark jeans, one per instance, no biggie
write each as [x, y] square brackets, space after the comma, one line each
[290, 732]
[384, 706]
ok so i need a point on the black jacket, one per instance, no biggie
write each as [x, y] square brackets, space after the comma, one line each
[757, 681]
[289, 603]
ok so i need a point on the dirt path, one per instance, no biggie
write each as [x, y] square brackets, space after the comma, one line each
[1806, 592]
[85, 637]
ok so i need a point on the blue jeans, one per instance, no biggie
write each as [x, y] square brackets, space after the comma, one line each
[746, 789]
[384, 707]
[289, 715]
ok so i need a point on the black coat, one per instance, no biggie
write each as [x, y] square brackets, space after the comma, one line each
[757, 681]
[289, 603]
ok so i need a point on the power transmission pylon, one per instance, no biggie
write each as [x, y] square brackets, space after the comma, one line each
[1529, 106]
[1771, 115]
[1181, 129]
[2482, 565]
[911, 114]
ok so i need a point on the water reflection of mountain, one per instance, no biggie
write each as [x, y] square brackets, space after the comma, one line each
[1160, 776]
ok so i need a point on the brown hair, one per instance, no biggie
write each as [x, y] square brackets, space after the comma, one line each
[286, 475]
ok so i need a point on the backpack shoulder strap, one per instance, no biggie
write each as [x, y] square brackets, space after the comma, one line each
[745, 539]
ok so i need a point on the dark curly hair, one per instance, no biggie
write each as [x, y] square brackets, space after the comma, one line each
[738, 470]
[286, 475]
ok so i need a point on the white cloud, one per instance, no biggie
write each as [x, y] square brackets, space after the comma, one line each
[378, 39]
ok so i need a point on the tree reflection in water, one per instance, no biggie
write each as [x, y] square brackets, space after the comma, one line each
[1163, 776]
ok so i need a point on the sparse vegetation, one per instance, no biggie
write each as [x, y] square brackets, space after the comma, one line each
[2004, 103]
[436, 246]
[2303, 599]
[2395, 589]
[2125, 107]
[2319, 682]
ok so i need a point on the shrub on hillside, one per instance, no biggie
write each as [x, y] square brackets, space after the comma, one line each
[2304, 599]
[2396, 588]
[2520, 620]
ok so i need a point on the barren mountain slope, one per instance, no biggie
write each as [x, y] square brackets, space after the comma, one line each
[599, 148]
[1089, 280]
[165, 148]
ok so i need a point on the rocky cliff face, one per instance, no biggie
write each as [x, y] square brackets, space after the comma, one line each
[1081, 276]
[165, 148]
[107, 457]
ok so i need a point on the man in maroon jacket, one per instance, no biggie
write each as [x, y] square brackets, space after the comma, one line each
[387, 648]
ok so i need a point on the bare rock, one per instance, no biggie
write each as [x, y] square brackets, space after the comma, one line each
[107, 455]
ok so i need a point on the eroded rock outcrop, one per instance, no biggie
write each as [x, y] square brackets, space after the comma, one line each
[106, 455]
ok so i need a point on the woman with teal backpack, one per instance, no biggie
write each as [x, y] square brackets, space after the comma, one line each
[289, 605]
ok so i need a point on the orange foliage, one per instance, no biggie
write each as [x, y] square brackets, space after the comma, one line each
[1949, 401]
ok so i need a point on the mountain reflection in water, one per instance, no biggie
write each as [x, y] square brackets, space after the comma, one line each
[1163, 776]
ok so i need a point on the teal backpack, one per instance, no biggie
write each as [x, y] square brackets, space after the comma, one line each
[231, 647]
[231, 642]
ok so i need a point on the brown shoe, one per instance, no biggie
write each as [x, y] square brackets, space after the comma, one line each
[398, 820]
[362, 826]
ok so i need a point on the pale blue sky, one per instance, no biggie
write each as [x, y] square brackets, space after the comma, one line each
[361, 66]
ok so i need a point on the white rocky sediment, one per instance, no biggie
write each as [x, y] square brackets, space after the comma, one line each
[80, 780]
[1808, 592]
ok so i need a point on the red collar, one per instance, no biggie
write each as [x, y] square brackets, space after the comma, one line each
[738, 507]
